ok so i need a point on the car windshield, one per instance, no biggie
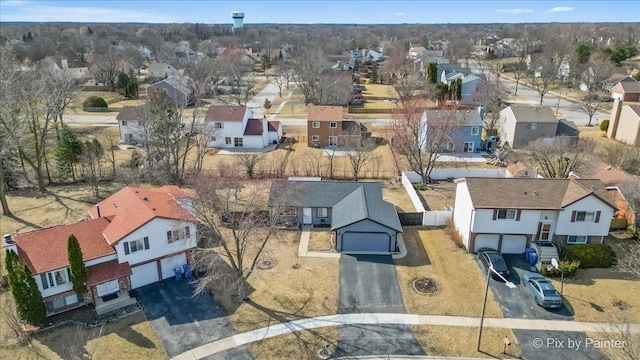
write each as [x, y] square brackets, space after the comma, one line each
[550, 293]
[498, 263]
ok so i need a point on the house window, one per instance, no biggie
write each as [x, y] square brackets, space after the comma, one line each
[468, 146]
[507, 214]
[56, 278]
[227, 140]
[574, 239]
[124, 123]
[136, 245]
[315, 124]
[333, 125]
[333, 141]
[315, 138]
[289, 211]
[212, 138]
[178, 234]
[323, 212]
[532, 126]
[218, 125]
[585, 216]
[451, 145]
[237, 142]
[475, 130]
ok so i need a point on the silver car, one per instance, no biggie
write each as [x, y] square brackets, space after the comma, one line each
[542, 290]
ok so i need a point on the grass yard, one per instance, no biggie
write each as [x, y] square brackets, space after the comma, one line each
[321, 240]
[461, 341]
[603, 295]
[379, 90]
[131, 337]
[461, 285]
[395, 193]
[439, 195]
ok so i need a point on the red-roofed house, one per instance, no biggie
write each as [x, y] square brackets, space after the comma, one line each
[135, 237]
[233, 126]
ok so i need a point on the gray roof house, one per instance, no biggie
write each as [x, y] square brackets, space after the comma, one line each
[363, 222]
[522, 124]
[177, 87]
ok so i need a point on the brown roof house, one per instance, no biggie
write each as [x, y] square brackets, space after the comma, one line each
[135, 237]
[511, 214]
[522, 124]
[625, 123]
[230, 126]
[326, 128]
[628, 90]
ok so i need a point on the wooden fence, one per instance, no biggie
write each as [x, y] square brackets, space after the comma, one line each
[410, 218]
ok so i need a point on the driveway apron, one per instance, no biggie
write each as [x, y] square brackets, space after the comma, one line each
[183, 321]
[368, 284]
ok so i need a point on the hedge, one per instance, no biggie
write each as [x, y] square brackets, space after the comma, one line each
[591, 255]
[95, 101]
[570, 268]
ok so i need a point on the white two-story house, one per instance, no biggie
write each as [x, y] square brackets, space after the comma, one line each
[136, 237]
[510, 214]
[234, 127]
[130, 124]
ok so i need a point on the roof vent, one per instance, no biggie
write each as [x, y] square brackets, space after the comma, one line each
[7, 239]
[145, 198]
[592, 188]
[154, 209]
[534, 193]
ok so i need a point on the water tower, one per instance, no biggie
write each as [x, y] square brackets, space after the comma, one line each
[238, 17]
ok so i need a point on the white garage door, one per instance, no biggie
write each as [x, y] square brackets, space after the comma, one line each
[144, 275]
[486, 241]
[366, 243]
[168, 264]
[513, 244]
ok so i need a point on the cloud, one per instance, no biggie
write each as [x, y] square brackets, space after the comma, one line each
[37, 13]
[514, 11]
[400, 14]
[559, 9]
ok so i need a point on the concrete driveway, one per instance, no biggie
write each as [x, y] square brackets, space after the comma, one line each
[368, 284]
[519, 303]
[184, 322]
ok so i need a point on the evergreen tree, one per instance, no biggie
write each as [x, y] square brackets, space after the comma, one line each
[374, 74]
[68, 152]
[432, 73]
[23, 286]
[79, 272]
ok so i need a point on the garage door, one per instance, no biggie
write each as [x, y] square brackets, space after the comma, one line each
[366, 243]
[486, 241]
[513, 244]
[168, 264]
[144, 275]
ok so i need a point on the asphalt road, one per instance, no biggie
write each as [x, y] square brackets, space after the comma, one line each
[184, 322]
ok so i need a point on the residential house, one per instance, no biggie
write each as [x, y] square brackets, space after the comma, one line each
[160, 71]
[241, 58]
[624, 124]
[355, 211]
[341, 66]
[614, 79]
[470, 85]
[464, 129]
[122, 66]
[416, 51]
[627, 90]
[374, 55]
[135, 237]
[147, 53]
[80, 74]
[234, 126]
[326, 128]
[520, 125]
[178, 88]
[450, 72]
[511, 214]
[130, 125]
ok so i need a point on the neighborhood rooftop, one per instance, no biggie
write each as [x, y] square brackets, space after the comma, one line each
[532, 193]
[325, 113]
[225, 113]
[529, 113]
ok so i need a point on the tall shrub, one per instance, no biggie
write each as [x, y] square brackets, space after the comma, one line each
[79, 272]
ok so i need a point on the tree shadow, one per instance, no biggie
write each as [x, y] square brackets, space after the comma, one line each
[23, 221]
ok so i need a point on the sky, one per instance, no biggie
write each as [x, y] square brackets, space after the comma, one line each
[314, 12]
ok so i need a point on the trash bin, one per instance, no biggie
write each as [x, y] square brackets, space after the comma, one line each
[533, 258]
[187, 271]
[528, 252]
[178, 273]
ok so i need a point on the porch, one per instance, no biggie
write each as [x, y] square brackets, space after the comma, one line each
[113, 301]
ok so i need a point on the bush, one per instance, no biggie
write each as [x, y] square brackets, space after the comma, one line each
[591, 255]
[420, 187]
[604, 125]
[95, 101]
[570, 268]
[453, 234]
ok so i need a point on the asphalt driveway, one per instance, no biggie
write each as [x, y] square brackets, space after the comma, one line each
[184, 322]
[519, 303]
[368, 284]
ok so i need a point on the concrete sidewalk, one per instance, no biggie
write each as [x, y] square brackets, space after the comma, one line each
[406, 319]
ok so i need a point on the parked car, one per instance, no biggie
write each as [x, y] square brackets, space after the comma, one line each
[608, 100]
[542, 290]
[591, 97]
[490, 257]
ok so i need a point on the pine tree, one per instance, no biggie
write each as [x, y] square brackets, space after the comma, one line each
[68, 151]
[432, 73]
[29, 303]
[79, 272]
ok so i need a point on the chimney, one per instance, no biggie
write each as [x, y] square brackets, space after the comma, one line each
[481, 112]
[9, 244]
[98, 209]
[615, 118]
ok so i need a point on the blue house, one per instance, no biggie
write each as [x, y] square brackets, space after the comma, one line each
[453, 131]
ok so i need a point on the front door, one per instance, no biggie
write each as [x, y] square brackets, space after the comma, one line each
[544, 232]
[306, 216]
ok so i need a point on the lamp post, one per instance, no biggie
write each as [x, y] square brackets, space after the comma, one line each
[559, 96]
[509, 284]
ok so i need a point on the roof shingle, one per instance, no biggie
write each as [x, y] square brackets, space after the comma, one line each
[226, 113]
[325, 113]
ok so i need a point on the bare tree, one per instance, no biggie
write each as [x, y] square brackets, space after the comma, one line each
[622, 156]
[489, 95]
[520, 67]
[631, 191]
[334, 88]
[547, 73]
[359, 148]
[629, 263]
[590, 105]
[421, 138]
[559, 157]
[619, 331]
[249, 161]
[279, 78]
[307, 71]
[235, 230]
[107, 68]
